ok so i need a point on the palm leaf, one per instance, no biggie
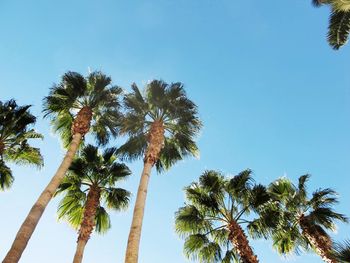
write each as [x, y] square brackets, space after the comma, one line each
[6, 178]
[339, 28]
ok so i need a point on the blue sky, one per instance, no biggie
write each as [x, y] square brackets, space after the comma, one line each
[272, 94]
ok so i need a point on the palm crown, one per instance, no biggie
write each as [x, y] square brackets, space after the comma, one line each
[94, 96]
[216, 207]
[93, 171]
[15, 131]
[303, 220]
[166, 105]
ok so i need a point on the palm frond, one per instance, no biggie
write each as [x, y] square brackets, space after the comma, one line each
[339, 28]
[117, 198]
[325, 216]
[189, 220]
[6, 178]
[103, 221]
[133, 148]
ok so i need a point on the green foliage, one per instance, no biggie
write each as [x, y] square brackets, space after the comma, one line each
[290, 203]
[342, 251]
[93, 169]
[75, 92]
[169, 104]
[6, 178]
[339, 21]
[339, 28]
[15, 133]
[212, 203]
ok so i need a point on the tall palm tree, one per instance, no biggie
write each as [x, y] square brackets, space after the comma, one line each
[89, 184]
[304, 220]
[216, 210]
[15, 131]
[161, 124]
[339, 21]
[76, 106]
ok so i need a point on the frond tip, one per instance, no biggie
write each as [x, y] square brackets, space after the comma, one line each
[339, 28]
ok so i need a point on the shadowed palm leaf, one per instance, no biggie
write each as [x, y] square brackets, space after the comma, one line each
[15, 131]
[342, 251]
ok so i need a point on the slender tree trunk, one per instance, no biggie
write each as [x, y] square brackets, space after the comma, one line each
[318, 239]
[88, 223]
[156, 141]
[79, 253]
[241, 244]
[26, 230]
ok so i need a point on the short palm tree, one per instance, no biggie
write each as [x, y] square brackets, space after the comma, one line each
[303, 220]
[89, 184]
[15, 131]
[216, 210]
[339, 22]
[76, 106]
[161, 124]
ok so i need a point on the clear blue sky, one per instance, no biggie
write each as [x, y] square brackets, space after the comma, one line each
[273, 97]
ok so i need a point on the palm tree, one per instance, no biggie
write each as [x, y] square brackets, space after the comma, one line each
[339, 21]
[212, 219]
[342, 251]
[90, 183]
[161, 125]
[304, 221]
[15, 131]
[76, 106]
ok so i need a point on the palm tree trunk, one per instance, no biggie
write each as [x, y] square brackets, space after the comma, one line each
[241, 244]
[88, 222]
[32, 219]
[78, 257]
[156, 141]
[318, 239]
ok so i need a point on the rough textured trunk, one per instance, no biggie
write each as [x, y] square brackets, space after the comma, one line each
[318, 239]
[2, 148]
[88, 223]
[82, 121]
[80, 127]
[241, 244]
[155, 145]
